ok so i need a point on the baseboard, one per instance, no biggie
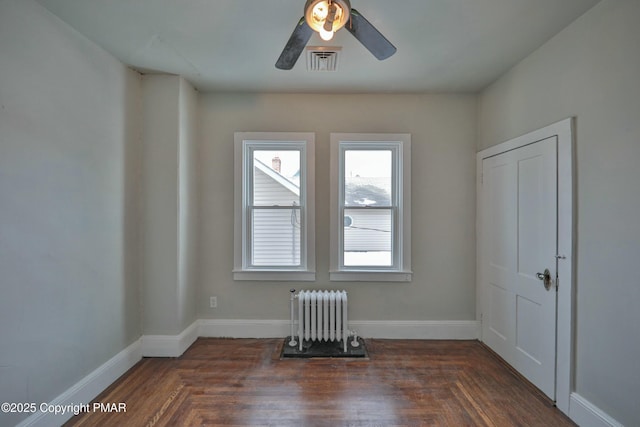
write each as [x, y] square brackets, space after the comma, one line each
[586, 414]
[393, 329]
[85, 390]
[243, 328]
[169, 345]
[417, 329]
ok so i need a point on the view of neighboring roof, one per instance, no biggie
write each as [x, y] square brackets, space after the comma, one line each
[358, 191]
[367, 191]
[278, 177]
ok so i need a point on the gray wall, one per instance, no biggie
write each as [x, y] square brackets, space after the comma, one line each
[188, 166]
[443, 201]
[159, 195]
[68, 205]
[169, 204]
[591, 70]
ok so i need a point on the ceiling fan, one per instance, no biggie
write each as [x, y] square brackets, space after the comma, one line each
[326, 17]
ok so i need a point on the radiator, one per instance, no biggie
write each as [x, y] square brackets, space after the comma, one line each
[322, 316]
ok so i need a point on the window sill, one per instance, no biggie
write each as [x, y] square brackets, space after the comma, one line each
[370, 276]
[279, 276]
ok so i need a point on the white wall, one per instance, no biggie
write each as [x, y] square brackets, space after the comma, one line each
[69, 158]
[443, 201]
[591, 70]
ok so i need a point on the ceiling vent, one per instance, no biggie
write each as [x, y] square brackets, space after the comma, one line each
[322, 58]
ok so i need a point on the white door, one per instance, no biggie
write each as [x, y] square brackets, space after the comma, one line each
[519, 234]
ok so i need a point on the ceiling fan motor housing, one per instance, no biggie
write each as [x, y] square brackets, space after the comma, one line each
[316, 13]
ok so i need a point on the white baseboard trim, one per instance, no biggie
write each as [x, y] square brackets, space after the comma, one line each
[85, 390]
[393, 329]
[417, 329]
[586, 414]
[169, 345]
[243, 328]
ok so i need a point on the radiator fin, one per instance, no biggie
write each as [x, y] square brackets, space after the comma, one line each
[322, 316]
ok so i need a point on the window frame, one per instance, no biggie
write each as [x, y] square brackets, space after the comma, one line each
[400, 144]
[245, 143]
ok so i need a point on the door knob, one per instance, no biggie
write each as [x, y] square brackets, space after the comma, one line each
[546, 278]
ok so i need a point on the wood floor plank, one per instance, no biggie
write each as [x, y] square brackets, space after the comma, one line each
[243, 382]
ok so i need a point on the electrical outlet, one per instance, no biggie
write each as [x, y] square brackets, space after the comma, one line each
[213, 302]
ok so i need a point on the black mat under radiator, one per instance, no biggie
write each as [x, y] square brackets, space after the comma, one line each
[323, 349]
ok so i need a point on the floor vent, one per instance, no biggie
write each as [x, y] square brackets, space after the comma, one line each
[322, 58]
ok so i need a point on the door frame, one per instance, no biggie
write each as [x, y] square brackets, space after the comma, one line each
[565, 322]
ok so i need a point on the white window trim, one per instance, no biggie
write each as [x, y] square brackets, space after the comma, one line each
[306, 272]
[402, 272]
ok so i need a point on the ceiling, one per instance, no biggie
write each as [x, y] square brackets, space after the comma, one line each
[232, 45]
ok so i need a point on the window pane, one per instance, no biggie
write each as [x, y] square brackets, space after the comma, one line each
[367, 237]
[276, 237]
[367, 177]
[276, 178]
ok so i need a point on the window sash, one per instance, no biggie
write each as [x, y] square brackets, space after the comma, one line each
[363, 211]
[245, 267]
[250, 147]
[401, 269]
[250, 159]
[281, 247]
[396, 191]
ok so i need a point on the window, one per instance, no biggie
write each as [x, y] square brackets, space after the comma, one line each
[370, 207]
[274, 206]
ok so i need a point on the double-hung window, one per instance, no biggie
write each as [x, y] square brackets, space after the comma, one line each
[274, 206]
[370, 207]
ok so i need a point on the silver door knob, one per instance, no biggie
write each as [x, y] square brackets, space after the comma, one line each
[546, 278]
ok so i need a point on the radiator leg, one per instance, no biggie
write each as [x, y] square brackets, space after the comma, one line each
[300, 318]
[292, 342]
[355, 342]
[345, 320]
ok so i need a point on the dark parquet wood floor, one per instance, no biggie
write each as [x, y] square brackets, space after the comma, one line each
[243, 382]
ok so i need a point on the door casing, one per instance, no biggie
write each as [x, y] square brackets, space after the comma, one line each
[564, 131]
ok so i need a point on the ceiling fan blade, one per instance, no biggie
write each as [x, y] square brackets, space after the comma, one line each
[298, 40]
[369, 36]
